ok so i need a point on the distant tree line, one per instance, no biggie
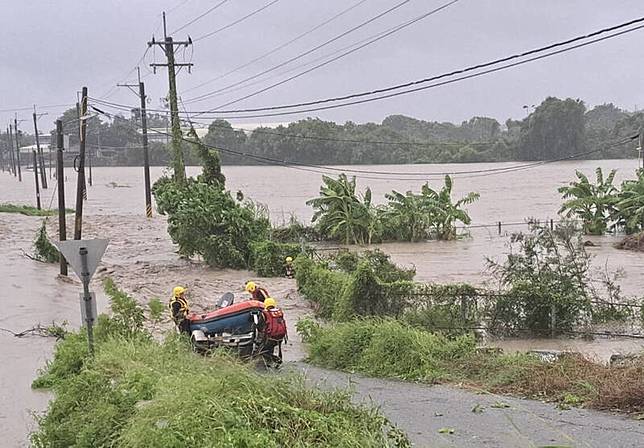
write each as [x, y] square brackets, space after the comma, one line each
[556, 129]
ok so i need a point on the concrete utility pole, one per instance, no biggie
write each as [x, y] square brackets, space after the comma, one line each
[60, 177]
[168, 46]
[36, 176]
[41, 158]
[144, 140]
[80, 185]
[15, 128]
[10, 146]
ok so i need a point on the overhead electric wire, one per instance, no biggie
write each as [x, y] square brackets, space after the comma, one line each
[324, 169]
[200, 16]
[224, 114]
[279, 47]
[340, 56]
[317, 47]
[230, 89]
[464, 70]
[231, 24]
[326, 139]
[221, 114]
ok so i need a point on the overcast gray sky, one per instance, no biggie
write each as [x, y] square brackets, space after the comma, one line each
[52, 48]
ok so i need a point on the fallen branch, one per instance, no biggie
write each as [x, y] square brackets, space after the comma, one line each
[52, 331]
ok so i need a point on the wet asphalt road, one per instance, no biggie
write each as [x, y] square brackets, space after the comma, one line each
[422, 410]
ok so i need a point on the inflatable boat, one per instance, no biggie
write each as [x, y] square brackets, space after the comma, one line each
[232, 326]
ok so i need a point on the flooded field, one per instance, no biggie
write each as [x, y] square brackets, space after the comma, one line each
[142, 259]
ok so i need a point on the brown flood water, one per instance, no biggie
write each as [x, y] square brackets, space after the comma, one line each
[142, 259]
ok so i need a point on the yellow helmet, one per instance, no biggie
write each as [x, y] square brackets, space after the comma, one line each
[270, 303]
[251, 287]
[289, 259]
[178, 291]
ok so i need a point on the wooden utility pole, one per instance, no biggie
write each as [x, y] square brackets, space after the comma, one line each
[144, 140]
[80, 184]
[37, 182]
[60, 178]
[168, 46]
[41, 158]
[15, 128]
[10, 146]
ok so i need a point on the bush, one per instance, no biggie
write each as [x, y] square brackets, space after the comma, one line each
[44, 250]
[295, 232]
[320, 285]
[385, 347]
[450, 309]
[269, 257]
[379, 262]
[127, 316]
[549, 273]
[205, 220]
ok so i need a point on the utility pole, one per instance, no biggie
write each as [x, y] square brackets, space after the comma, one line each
[144, 139]
[10, 146]
[80, 185]
[60, 178]
[2, 152]
[36, 176]
[15, 128]
[41, 158]
[89, 156]
[168, 46]
[641, 146]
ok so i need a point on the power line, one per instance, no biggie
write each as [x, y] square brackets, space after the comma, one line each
[221, 114]
[464, 70]
[328, 139]
[212, 33]
[323, 169]
[317, 47]
[200, 16]
[279, 47]
[353, 50]
[230, 89]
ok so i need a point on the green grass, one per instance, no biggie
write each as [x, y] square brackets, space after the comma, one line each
[139, 392]
[28, 210]
[390, 348]
[156, 308]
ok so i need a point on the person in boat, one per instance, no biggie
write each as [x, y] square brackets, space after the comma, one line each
[273, 330]
[288, 267]
[179, 308]
[257, 292]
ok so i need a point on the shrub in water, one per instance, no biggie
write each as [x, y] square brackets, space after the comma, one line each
[268, 257]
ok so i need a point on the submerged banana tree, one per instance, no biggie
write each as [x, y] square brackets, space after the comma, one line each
[629, 207]
[593, 204]
[444, 212]
[407, 216]
[341, 214]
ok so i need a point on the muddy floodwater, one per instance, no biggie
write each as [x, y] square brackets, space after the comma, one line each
[142, 259]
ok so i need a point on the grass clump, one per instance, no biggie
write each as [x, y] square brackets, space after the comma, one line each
[156, 308]
[137, 392]
[28, 210]
[386, 348]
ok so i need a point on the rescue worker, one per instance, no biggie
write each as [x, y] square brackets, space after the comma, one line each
[258, 293]
[273, 327]
[288, 267]
[179, 309]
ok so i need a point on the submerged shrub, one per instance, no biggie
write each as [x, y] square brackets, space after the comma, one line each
[268, 257]
[44, 250]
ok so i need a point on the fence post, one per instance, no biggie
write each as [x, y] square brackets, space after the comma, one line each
[552, 224]
[463, 311]
[553, 320]
[499, 227]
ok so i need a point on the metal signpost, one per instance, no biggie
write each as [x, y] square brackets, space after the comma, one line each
[83, 256]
